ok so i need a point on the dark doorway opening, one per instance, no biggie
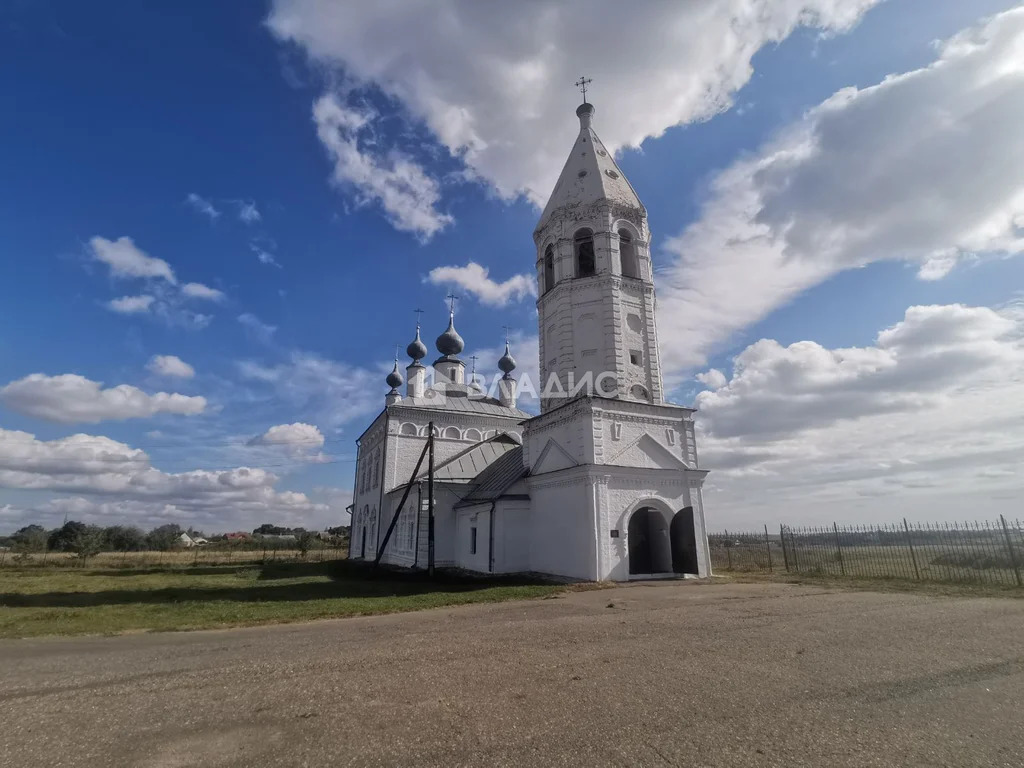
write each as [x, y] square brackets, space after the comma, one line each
[684, 542]
[649, 548]
[362, 551]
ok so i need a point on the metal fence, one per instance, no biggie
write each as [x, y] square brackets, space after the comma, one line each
[971, 552]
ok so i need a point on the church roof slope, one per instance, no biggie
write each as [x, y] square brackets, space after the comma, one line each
[465, 467]
[497, 478]
[590, 174]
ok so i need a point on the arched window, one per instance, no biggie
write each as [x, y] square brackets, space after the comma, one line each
[409, 429]
[549, 268]
[453, 433]
[584, 246]
[627, 255]
[376, 468]
[474, 435]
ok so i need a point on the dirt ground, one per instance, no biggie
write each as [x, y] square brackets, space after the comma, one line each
[648, 674]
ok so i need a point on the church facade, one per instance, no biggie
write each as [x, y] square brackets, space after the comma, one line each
[605, 483]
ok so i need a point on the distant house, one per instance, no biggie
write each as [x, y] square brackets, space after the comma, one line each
[238, 536]
[186, 541]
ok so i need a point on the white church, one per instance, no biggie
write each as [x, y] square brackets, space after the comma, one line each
[604, 484]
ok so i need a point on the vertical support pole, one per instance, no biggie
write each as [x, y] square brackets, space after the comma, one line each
[910, 544]
[430, 499]
[1013, 555]
[768, 547]
[839, 549]
[782, 538]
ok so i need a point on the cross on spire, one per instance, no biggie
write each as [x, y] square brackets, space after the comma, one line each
[473, 358]
[582, 84]
[418, 313]
[506, 334]
[452, 297]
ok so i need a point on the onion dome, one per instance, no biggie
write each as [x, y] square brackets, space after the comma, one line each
[450, 343]
[417, 350]
[394, 379]
[507, 363]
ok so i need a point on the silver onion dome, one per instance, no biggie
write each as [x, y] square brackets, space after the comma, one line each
[507, 363]
[449, 342]
[417, 350]
[394, 379]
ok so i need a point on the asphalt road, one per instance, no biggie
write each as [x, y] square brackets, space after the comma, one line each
[673, 674]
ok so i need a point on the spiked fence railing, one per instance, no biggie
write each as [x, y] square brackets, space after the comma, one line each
[980, 552]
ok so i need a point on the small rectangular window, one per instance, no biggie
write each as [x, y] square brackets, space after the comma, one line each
[635, 357]
[472, 540]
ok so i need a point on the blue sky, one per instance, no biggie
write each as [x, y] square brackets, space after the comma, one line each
[191, 129]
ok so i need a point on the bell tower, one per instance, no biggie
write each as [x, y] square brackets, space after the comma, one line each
[596, 306]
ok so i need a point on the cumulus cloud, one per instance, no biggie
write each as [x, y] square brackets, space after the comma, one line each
[200, 291]
[203, 206]
[474, 279]
[935, 403]
[493, 83]
[299, 440]
[131, 305]
[70, 399]
[125, 259]
[118, 482]
[407, 193]
[921, 167]
[170, 365]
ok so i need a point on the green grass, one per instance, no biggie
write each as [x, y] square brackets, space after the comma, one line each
[61, 601]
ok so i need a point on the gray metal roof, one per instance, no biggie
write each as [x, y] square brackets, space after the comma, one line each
[459, 401]
[497, 478]
[467, 466]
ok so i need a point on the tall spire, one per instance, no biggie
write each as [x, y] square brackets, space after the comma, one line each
[590, 174]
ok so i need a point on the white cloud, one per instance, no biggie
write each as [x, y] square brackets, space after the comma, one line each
[125, 259]
[712, 379]
[264, 256]
[131, 305]
[247, 211]
[200, 291]
[931, 411]
[170, 365]
[299, 440]
[71, 399]
[202, 205]
[474, 279]
[120, 484]
[260, 331]
[493, 83]
[406, 192]
[922, 167]
[321, 390]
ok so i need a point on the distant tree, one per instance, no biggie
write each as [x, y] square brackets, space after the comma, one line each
[63, 539]
[124, 538]
[268, 529]
[339, 530]
[88, 542]
[164, 537]
[31, 538]
[305, 541]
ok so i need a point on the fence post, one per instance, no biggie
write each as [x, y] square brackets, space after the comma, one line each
[782, 538]
[768, 547]
[910, 544]
[1013, 555]
[839, 550]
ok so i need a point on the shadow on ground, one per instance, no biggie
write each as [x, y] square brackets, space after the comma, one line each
[346, 580]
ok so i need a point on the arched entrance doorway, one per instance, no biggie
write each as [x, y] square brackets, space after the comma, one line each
[649, 548]
[684, 542]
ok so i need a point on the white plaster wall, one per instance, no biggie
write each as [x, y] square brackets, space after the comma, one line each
[561, 537]
[512, 525]
[473, 517]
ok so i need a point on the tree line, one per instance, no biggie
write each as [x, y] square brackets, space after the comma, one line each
[87, 540]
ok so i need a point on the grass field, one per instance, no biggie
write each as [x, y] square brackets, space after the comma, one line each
[37, 600]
